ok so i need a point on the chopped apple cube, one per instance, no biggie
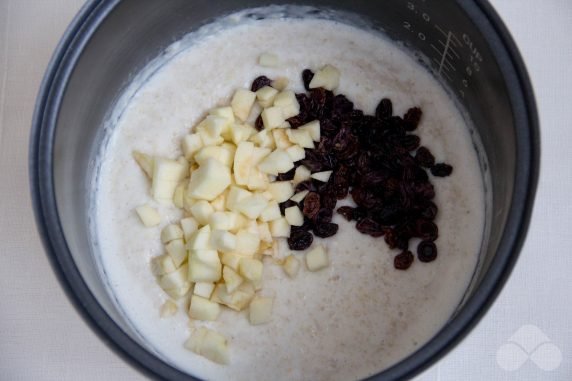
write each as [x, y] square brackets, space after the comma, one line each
[191, 144]
[162, 264]
[300, 137]
[145, 162]
[280, 138]
[200, 240]
[168, 309]
[240, 132]
[219, 203]
[225, 112]
[252, 205]
[328, 77]
[247, 243]
[313, 128]
[223, 154]
[298, 197]
[171, 232]
[277, 162]
[179, 195]
[189, 225]
[209, 344]
[235, 196]
[175, 279]
[238, 300]
[209, 181]
[271, 212]
[264, 232]
[176, 249]
[148, 215]
[264, 139]
[204, 289]
[272, 117]
[301, 174]
[291, 266]
[166, 176]
[231, 279]
[202, 211]
[317, 258]
[257, 180]
[243, 161]
[204, 266]
[251, 269]
[223, 241]
[214, 126]
[242, 102]
[220, 221]
[268, 60]
[323, 176]
[260, 310]
[294, 216]
[265, 96]
[287, 101]
[179, 292]
[232, 260]
[281, 190]
[280, 83]
[296, 152]
[203, 309]
[280, 228]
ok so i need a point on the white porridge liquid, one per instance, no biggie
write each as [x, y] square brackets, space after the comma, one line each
[354, 318]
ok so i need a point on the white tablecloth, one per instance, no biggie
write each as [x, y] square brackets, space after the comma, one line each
[526, 336]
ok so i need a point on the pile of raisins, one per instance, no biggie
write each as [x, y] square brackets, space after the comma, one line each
[378, 160]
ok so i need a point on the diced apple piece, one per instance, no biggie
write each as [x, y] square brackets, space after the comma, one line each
[238, 300]
[287, 101]
[257, 180]
[260, 310]
[191, 144]
[168, 309]
[298, 197]
[204, 266]
[280, 83]
[232, 260]
[162, 264]
[177, 293]
[240, 132]
[264, 232]
[291, 266]
[148, 215]
[252, 205]
[313, 128]
[223, 241]
[209, 344]
[220, 153]
[272, 117]
[189, 225]
[235, 196]
[225, 112]
[175, 279]
[264, 139]
[247, 243]
[176, 249]
[328, 77]
[242, 102]
[296, 152]
[220, 221]
[300, 137]
[271, 212]
[323, 176]
[204, 289]
[265, 96]
[170, 233]
[179, 195]
[209, 181]
[251, 269]
[301, 174]
[243, 162]
[145, 162]
[214, 126]
[203, 309]
[280, 138]
[268, 60]
[231, 279]
[207, 138]
[277, 162]
[202, 211]
[317, 258]
[281, 190]
[166, 176]
[219, 203]
[200, 240]
[280, 228]
[294, 216]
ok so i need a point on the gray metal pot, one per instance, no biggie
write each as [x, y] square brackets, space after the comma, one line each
[111, 40]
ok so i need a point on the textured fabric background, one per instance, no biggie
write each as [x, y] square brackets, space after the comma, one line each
[527, 335]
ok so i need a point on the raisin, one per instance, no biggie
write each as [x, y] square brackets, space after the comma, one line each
[429, 211]
[411, 118]
[260, 82]
[311, 205]
[347, 212]
[325, 230]
[424, 157]
[427, 251]
[286, 176]
[371, 227]
[426, 230]
[259, 124]
[410, 142]
[323, 216]
[403, 260]
[441, 170]
[300, 240]
[307, 76]
[384, 109]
